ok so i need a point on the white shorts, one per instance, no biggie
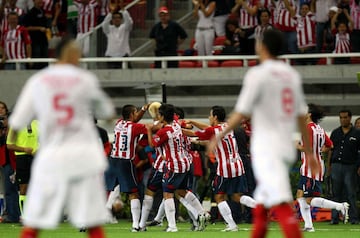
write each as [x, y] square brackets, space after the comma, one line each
[273, 182]
[83, 197]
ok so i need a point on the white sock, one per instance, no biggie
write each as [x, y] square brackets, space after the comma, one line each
[170, 212]
[161, 212]
[305, 212]
[135, 212]
[195, 203]
[190, 210]
[145, 210]
[225, 212]
[248, 201]
[112, 197]
[324, 203]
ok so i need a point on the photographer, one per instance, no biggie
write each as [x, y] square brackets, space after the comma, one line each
[7, 167]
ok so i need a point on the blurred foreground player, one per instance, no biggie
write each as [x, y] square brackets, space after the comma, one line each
[272, 95]
[68, 169]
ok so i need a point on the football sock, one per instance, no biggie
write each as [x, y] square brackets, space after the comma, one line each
[248, 201]
[225, 212]
[112, 197]
[324, 203]
[190, 210]
[288, 221]
[96, 232]
[195, 203]
[169, 205]
[135, 212]
[29, 233]
[305, 212]
[260, 221]
[145, 210]
[22, 199]
[161, 212]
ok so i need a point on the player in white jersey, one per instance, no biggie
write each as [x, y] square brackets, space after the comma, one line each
[309, 187]
[68, 169]
[272, 95]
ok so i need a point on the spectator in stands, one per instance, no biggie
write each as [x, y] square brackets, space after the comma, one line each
[355, 34]
[222, 11]
[321, 11]
[204, 11]
[117, 34]
[232, 44]
[71, 18]
[15, 42]
[305, 29]
[35, 22]
[328, 36]
[247, 10]
[269, 5]
[6, 7]
[264, 17]
[285, 22]
[343, 4]
[342, 35]
[87, 20]
[168, 35]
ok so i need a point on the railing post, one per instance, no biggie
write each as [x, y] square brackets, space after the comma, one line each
[92, 49]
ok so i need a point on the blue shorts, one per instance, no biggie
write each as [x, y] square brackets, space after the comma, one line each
[229, 186]
[310, 187]
[155, 180]
[121, 171]
[172, 181]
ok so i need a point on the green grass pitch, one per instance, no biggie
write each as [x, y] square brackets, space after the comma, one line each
[323, 230]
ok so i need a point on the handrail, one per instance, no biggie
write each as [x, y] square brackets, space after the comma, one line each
[203, 59]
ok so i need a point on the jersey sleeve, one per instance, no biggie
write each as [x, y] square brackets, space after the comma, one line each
[140, 129]
[160, 138]
[328, 142]
[205, 134]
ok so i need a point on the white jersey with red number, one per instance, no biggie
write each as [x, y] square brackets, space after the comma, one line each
[170, 138]
[126, 137]
[355, 14]
[7, 10]
[227, 154]
[284, 21]
[88, 14]
[62, 98]
[318, 139]
[247, 21]
[305, 29]
[342, 43]
[14, 42]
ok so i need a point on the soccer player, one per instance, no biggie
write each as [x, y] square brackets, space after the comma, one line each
[309, 187]
[272, 95]
[68, 169]
[230, 175]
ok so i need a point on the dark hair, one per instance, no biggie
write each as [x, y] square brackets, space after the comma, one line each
[273, 40]
[180, 112]
[167, 111]
[6, 107]
[230, 21]
[62, 45]
[346, 111]
[12, 13]
[219, 112]
[127, 110]
[317, 112]
[260, 11]
[118, 13]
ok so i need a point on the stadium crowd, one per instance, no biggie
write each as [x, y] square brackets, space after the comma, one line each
[30, 28]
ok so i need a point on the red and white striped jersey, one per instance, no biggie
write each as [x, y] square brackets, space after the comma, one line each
[305, 29]
[283, 20]
[159, 162]
[355, 14]
[342, 42]
[247, 21]
[227, 155]
[14, 42]
[88, 14]
[104, 8]
[171, 140]
[7, 10]
[259, 30]
[318, 139]
[126, 138]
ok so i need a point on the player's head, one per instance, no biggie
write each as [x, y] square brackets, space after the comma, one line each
[316, 113]
[128, 111]
[345, 118]
[68, 51]
[166, 112]
[271, 43]
[217, 114]
[180, 112]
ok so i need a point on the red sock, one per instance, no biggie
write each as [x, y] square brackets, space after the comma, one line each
[96, 232]
[288, 222]
[28, 232]
[260, 222]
